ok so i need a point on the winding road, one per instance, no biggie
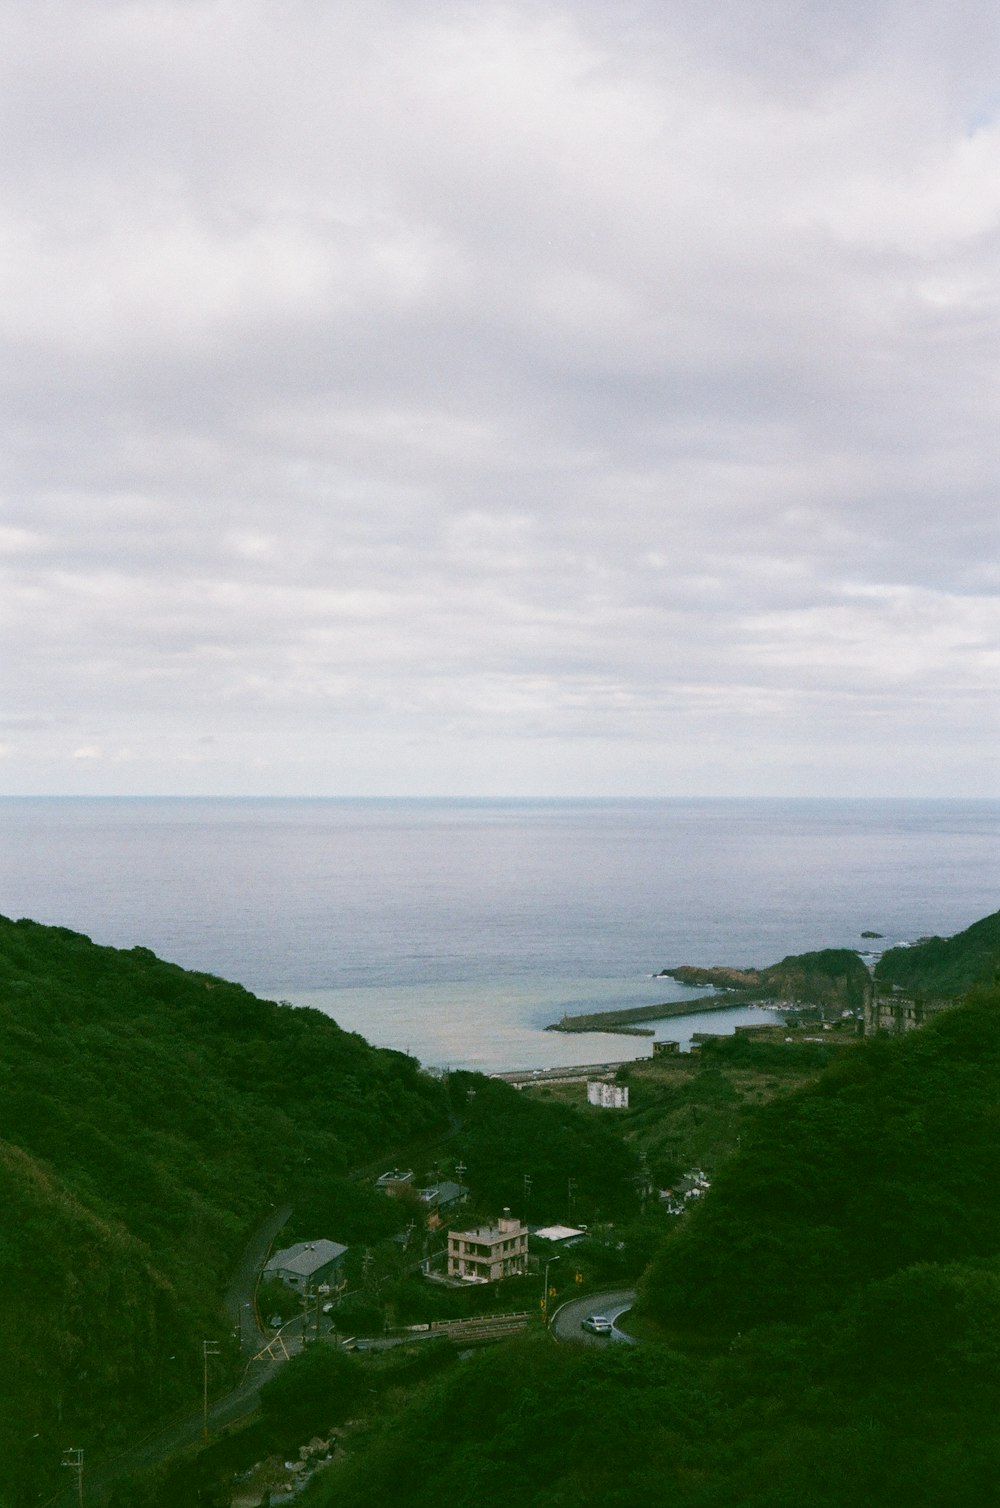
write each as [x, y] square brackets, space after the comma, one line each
[613, 1304]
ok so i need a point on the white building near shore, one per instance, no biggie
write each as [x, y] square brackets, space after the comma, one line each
[607, 1096]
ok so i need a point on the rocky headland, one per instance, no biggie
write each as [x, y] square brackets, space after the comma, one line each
[834, 979]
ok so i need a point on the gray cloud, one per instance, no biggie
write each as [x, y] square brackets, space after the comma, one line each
[516, 398]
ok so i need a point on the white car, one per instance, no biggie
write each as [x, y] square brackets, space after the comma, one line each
[597, 1324]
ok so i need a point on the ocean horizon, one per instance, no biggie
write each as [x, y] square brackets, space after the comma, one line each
[457, 929]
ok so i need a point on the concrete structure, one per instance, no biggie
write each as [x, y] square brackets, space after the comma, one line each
[307, 1264]
[665, 1048]
[395, 1181]
[559, 1235]
[607, 1096]
[489, 1252]
[896, 1013]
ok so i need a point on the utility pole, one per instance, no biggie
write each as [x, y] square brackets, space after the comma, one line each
[208, 1348]
[73, 1458]
[527, 1195]
[307, 1298]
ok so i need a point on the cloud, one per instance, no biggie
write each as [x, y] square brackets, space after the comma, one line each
[417, 396]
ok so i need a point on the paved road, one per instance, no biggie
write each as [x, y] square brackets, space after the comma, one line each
[239, 1297]
[613, 1304]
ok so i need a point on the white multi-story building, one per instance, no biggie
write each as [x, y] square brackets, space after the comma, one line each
[489, 1252]
[608, 1096]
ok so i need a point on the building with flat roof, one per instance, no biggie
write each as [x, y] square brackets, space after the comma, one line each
[395, 1182]
[489, 1252]
[559, 1235]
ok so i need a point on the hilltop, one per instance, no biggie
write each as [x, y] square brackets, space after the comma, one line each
[833, 977]
[945, 967]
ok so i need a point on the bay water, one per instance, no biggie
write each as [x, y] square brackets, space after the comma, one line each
[458, 929]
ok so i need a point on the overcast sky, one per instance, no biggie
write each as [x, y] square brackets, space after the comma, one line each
[420, 397]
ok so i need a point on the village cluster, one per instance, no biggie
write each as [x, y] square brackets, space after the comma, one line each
[483, 1254]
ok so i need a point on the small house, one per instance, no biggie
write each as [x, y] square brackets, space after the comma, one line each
[307, 1264]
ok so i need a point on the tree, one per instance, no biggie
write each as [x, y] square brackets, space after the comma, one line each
[317, 1388]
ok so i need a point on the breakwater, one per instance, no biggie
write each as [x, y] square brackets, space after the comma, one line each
[625, 1020]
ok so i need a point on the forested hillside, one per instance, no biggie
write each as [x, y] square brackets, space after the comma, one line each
[822, 1332]
[149, 1118]
[891, 1158]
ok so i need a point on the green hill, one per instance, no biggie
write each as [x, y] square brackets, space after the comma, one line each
[886, 1160]
[834, 977]
[149, 1119]
[943, 967]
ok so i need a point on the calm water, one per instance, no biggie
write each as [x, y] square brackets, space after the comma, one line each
[459, 929]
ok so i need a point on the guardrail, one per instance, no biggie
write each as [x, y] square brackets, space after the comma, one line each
[461, 1329]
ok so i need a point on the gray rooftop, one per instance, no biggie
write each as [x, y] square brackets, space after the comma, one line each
[305, 1257]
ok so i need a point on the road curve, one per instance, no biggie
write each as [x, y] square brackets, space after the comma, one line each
[565, 1325]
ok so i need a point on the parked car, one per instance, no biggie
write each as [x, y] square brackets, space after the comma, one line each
[597, 1324]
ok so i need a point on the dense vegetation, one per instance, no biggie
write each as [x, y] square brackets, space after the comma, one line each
[503, 1140]
[822, 1332]
[942, 967]
[891, 1403]
[887, 1160]
[149, 1118]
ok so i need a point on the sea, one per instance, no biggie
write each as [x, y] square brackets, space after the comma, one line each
[458, 930]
